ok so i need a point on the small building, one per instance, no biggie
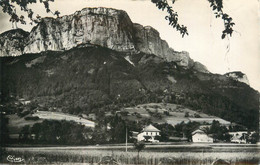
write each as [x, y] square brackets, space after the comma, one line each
[24, 102]
[149, 133]
[14, 136]
[199, 136]
[239, 137]
[90, 116]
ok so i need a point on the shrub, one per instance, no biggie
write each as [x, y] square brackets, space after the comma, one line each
[197, 115]
[24, 113]
[34, 118]
[166, 113]
[124, 113]
[186, 114]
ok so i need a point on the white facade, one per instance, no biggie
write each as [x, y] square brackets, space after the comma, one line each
[150, 132]
[199, 136]
[238, 137]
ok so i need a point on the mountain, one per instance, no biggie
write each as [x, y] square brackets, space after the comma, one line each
[96, 58]
[106, 27]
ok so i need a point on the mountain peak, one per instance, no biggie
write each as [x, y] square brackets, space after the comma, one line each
[101, 10]
[107, 27]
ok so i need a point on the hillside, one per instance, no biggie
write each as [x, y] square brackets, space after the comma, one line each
[16, 123]
[97, 61]
[105, 27]
[91, 79]
[168, 113]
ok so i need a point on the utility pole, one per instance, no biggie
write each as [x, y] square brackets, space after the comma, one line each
[126, 139]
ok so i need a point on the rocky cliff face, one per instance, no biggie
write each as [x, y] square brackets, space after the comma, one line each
[101, 26]
[106, 27]
[238, 76]
[148, 40]
[11, 42]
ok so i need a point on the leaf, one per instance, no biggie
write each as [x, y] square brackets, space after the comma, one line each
[223, 36]
[155, 1]
[57, 13]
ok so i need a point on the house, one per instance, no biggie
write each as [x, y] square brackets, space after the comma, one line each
[14, 136]
[24, 102]
[149, 134]
[199, 136]
[90, 116]
[239, 137]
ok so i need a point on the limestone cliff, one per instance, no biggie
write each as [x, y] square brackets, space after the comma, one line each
[106, 27]
[148, 40]
[238, 76]
[101, 26]
[11, 42]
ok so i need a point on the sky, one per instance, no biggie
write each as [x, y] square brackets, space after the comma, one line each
[241, 52]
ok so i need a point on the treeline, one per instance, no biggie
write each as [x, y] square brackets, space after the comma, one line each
[4, 131]
[218, 132]
[111, 129]
[56, 132]
[217, 105]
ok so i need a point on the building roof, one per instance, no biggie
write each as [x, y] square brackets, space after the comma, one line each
[238, 133]
[151, 128]
[198, 131]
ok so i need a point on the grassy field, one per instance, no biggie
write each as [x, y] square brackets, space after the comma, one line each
[176, 114]
[99, 154]
[63, 116]
[16, 123]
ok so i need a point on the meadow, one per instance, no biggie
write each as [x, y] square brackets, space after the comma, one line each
[176, 114]
[152, 155]
[62, 116]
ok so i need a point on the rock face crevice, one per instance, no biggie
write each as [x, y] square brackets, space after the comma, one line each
[106, 27]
